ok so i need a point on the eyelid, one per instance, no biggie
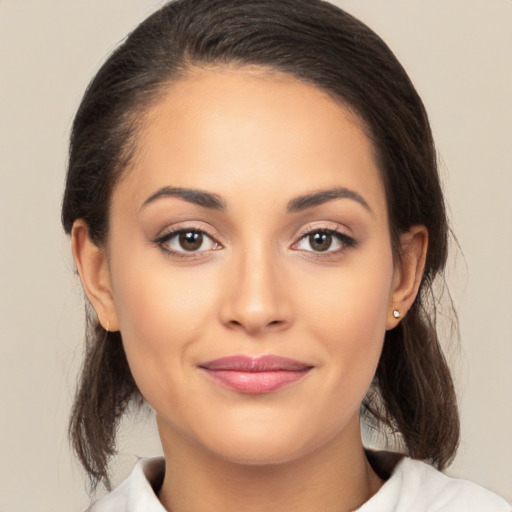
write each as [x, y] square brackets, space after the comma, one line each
[333, 229]
[172, 231]
[327, 226]
[169, 231]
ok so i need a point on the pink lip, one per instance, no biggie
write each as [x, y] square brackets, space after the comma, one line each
[255, 375]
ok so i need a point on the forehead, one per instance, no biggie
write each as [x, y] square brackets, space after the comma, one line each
[231, 130]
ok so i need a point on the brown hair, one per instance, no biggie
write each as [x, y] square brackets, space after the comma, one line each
[412, 393]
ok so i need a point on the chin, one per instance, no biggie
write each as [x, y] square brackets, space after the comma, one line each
[258, 453]
[264, 445]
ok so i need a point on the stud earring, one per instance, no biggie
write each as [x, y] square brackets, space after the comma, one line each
[108, 326]
[397, 314]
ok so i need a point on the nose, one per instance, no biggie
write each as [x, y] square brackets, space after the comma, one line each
[257, 299]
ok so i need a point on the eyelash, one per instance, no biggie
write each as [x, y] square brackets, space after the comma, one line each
[162, 240]
[346, 241]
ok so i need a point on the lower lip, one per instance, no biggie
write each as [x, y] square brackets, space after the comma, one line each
[256, 382]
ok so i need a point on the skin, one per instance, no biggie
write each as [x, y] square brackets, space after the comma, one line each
[257, 285]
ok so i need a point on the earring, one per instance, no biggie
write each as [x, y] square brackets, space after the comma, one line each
[108, 326]
[397, 314]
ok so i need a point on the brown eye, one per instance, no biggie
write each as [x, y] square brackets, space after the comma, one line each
[190, 240]
[320, 241]
[187, 241]
[328, 241]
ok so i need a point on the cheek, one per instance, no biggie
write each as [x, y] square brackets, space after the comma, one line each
[348, 314]
[354, 298]
[152, 296]
[161, 313]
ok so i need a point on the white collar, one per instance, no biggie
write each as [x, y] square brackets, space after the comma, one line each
[413, 485]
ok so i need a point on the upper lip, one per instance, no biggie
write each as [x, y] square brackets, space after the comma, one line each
[265, 363]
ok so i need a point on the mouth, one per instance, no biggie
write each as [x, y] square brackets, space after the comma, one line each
[255, 375]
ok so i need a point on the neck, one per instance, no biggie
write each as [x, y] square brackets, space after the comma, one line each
[336, 477]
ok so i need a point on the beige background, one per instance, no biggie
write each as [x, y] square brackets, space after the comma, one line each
[458, 53]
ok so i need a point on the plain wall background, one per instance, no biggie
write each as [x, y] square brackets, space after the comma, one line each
[458, 54]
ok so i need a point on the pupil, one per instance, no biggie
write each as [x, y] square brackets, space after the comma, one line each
[191, 241]
[320, 241]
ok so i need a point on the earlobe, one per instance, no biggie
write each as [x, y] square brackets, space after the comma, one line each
[91, 263]
[408, 273]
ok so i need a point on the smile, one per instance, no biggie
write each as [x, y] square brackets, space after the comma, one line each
[255, 375]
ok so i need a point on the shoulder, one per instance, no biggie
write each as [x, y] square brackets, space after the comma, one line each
[137, 492]
[417, 486]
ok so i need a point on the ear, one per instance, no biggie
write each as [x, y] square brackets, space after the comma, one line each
[408, 272]
[92, 265]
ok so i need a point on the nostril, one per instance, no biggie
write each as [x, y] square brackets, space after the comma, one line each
[255, 327]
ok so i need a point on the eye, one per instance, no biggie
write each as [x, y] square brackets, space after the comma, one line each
[324, 240]
[187, 241]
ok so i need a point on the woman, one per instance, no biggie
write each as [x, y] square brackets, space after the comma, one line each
[257, 221]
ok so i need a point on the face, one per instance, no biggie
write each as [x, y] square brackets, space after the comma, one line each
[250, 265]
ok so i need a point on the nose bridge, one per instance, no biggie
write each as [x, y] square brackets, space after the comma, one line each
[256, 300]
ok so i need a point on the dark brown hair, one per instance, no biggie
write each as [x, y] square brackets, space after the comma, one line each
[412, 393]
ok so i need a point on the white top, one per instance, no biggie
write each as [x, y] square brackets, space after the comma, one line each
[413, 487]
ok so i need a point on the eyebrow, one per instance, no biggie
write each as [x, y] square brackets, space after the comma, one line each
[199, 197]
[215, 202]
[323, 196]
